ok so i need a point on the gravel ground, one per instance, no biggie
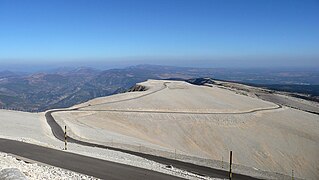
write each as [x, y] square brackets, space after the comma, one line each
[11, 168]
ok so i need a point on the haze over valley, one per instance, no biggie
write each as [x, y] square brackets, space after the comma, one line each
[65, 87]
[159, 90]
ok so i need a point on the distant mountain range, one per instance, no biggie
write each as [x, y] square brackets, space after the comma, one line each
[65, 87]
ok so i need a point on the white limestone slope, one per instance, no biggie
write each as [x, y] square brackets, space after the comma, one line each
[33, 128]
[204, 122]
[28, 127]
[181, 96]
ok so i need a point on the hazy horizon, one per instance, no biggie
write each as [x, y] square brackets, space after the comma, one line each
[47, 68]
[208, 33]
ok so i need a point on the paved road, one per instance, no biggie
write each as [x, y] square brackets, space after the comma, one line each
[129, 99]
[104, 169]
[202, 170]
[164, 112]
[78, 163]
[183, 112]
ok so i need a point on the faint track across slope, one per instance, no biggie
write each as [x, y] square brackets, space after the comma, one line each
[197, 169]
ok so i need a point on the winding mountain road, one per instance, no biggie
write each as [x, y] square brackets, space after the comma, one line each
[164, 112]
[78, 163]
[197, 169]
[59, 134]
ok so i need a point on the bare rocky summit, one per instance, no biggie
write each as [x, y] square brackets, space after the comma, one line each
[201, 124]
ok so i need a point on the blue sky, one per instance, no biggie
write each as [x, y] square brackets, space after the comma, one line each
[222, 33]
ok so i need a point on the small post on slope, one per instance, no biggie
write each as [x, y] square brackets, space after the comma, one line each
[230, 164]
[222, 162]
[292, 175]
[65, 137]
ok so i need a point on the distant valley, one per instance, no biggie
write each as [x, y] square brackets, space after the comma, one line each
[65, 87]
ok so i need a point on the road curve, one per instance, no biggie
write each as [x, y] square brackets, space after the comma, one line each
[78, 163]
[128, 99]
[197, 169]
[278, 106]
[202, 170]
